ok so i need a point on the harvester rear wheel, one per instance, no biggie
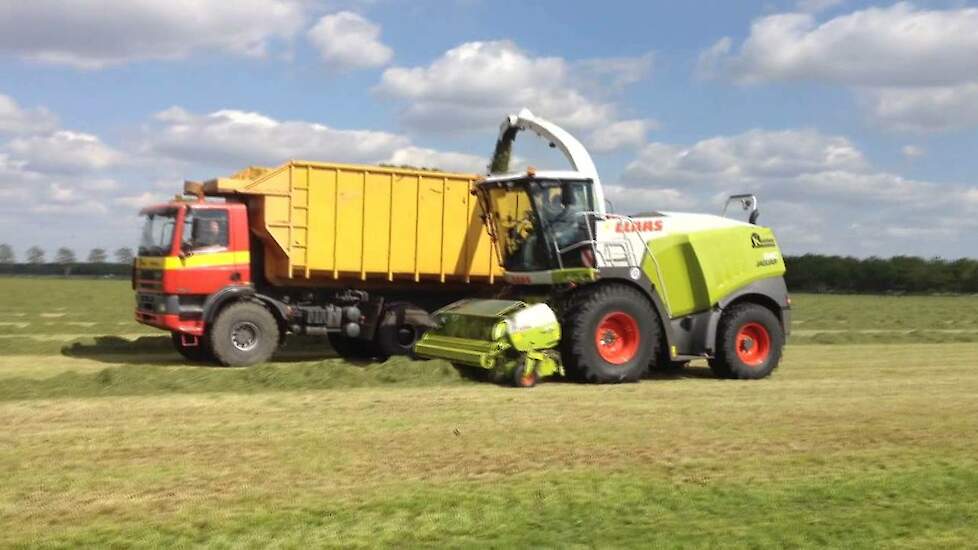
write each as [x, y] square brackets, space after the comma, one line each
[201, 353]
[610, 334]
[244, 333]
[749, 343]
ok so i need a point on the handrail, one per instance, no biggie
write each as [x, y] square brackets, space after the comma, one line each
[655, 261]
[748, 201]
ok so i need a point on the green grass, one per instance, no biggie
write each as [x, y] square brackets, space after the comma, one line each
[114, 441]
[854, 319]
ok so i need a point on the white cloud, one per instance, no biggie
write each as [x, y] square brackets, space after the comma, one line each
[818, 191]
[139, 200]
[912, 151]
[430, 158]
[746, 158]
[631, 200]
[624, 133]
[926, 109]
[99, 33]
[615, 71]
[815, 6]
[346, 40]
[916, 68]
[895, 46]
[63, 152]
[234, 139]
[474, 85]
[16, 120]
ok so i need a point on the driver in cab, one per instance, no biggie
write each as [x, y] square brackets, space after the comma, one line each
[208, 236]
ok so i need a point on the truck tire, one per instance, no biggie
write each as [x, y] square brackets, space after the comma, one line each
[244, 333]
[395, 334]
[200, 353]
[749, 343]
[610, 334]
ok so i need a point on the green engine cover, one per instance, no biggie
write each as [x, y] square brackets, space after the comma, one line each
[701, 268]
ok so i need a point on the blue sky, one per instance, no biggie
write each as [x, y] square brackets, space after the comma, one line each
[855, 122]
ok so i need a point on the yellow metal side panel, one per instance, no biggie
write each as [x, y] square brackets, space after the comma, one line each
[322, 218]
[377, 219]
[274, 182]
[300, 216]
[431, 195]
[454, 260]
[349, 221]
[404, 221]
[277, 219]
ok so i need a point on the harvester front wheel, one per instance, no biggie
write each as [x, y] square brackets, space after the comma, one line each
[523, 379]
[244, 334]
[611, 333]
[749, 343]
[200, 353]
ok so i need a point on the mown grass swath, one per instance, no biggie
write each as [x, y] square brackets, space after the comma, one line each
[110, 439]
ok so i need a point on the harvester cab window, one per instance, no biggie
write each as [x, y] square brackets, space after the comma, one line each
[533, 216]
[205, 231]
[561, 208]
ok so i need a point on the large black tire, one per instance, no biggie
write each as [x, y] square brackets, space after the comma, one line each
[523, 380]
[396, 334]
[749, 343]
[352, 348]
[625, 322]
[201, 353]
[244, 333]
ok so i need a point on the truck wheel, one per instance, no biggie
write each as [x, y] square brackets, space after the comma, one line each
[396, 335]
[610, 335]
[243, 334]
[200, 353]
[749, 343]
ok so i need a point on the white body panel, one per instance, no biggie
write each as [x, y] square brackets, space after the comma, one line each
[621, 240]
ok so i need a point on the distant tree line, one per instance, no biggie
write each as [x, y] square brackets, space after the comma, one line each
[65, 262]
[899, 274]
[808, 273]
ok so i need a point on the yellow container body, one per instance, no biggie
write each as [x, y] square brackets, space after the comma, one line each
[331, 223]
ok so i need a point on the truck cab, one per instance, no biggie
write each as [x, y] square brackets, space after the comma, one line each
[188, 251]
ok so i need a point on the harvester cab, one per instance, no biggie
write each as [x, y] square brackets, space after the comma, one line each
[623, 293]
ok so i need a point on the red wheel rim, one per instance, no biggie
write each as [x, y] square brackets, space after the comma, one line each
[617, 338]
[753, 344]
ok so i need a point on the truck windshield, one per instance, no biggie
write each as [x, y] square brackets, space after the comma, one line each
[534, 218]
[157, 235]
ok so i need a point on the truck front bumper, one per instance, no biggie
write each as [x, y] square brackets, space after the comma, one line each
[171, 322]
[165, 312]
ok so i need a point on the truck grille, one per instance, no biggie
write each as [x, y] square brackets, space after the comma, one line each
[150, 279]
[147, 302]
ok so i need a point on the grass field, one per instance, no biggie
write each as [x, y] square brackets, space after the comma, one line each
[865, 437]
